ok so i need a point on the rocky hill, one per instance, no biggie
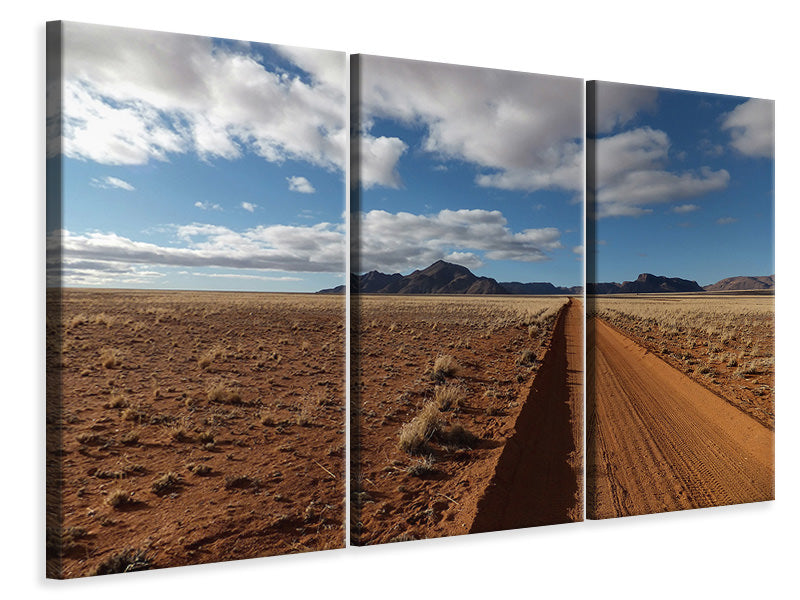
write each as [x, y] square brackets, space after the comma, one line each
[646, 283]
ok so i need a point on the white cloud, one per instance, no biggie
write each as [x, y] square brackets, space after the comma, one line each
[378, 157]
[132, 96]
[618, 103]
[402, 241]
[631, 174]
[249, 206]
[752, 128]
[207, 205]
[98, 273]
[685, 208]
[521, 130]
[726, 220]
[324, 66]
[301, 185]
[111, 182]
[243, 276]
[578, 250]
[317, 248]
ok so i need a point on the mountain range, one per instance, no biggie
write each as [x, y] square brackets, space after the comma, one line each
[656, 284]
[444, 278]
[447, 278]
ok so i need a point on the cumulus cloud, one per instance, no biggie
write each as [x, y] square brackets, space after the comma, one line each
[726, 220]
[618, 103]
[111, 182]
[631, 174]
[685, 208]
[752, 128]
[325, 67]
[318, 248]
[378, 158]
[249, 206]
[301, 185]
[402, 241]
[522, 131]
[133, 96]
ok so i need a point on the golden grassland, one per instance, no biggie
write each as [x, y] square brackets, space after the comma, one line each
[724, 341]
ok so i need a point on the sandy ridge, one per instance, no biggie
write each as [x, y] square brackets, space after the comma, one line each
[537, 477]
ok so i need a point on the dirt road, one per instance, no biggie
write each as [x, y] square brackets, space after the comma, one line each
[657, 441]
[538, 476]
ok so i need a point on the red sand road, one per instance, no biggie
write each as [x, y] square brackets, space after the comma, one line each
[537, 479]
[657, 441]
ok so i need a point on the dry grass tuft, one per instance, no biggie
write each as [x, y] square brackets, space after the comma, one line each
[198, 469]
[222, 394]
[167, 482]
[117, 401]
[414, 436]
[423, 466]
[119, 499]
[126, 561]
[526, 358]
[449, 396]
[444, 366]
[110, 358]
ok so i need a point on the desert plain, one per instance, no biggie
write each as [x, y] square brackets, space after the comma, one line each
[192, 427]
[466, 414]
[680, 402]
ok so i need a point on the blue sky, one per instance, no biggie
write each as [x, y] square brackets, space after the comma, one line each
[198, 163]
[479, 167]
[685, 184]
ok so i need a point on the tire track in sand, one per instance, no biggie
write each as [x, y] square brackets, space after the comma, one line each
[538, 477]
[657, 441]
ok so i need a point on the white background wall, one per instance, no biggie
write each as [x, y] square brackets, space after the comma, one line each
[746, 49]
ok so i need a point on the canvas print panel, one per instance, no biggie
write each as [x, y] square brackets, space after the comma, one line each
[680, 276]
[195, 381]
[466, 300]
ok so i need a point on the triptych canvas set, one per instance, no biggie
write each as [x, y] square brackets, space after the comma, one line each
[550, 300]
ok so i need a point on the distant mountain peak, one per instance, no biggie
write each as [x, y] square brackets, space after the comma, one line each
[646, 283]
[444, 277]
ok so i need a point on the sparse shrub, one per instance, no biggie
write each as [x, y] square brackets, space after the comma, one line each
[166, 482]
[414, 436]
[449, 395]
[199, 469]
[423, 466]
[119, 499]
[126, 561]
[444, 366]
[527, 357]
[206, 437]
[110, 358]
[220, 393]
[117, 401]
